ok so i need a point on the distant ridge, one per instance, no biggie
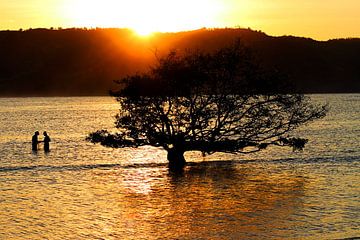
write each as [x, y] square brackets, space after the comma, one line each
[68, 62]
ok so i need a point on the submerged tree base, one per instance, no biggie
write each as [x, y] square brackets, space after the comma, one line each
[176, 159]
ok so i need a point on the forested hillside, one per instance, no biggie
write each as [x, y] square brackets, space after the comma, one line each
[44, 62]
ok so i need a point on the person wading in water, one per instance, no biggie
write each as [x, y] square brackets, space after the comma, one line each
[35, 141]
[46, 141]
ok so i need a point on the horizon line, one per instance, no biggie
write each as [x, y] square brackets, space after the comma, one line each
[172, 32]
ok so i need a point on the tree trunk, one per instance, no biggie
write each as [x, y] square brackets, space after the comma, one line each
[176, 158]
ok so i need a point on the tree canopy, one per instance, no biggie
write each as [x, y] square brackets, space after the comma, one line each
[220, 101]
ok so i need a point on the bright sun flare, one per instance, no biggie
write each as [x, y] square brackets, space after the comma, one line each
[144, 16]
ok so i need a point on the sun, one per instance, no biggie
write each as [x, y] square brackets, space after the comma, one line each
[144, 16]
[143, 31]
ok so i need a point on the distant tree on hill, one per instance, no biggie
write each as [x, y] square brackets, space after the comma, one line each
[219, 101]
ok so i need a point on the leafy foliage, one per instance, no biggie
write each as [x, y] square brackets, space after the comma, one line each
[219, 101]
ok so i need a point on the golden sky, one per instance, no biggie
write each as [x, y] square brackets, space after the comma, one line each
[318, 19]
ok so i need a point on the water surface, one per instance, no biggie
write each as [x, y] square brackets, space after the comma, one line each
[85, 191]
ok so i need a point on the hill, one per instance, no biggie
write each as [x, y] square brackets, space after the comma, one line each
[65, 62]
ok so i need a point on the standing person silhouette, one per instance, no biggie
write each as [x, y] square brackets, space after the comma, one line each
[35, 141]
[46, 141]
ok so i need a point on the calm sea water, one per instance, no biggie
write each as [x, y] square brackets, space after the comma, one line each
[85, 191]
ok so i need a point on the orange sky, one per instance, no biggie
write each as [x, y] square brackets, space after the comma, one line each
[318, 19]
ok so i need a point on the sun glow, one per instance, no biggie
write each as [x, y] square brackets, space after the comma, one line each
[144, 16]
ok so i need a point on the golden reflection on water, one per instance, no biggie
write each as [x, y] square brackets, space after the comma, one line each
[85, 191]
[209, 200]
[205, 201]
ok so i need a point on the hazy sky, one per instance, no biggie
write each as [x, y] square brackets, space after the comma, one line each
[319, 19]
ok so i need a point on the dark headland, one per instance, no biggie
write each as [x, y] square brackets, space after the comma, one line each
[74, 62]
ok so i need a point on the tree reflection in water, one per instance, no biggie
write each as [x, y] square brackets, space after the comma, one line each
[218, 200]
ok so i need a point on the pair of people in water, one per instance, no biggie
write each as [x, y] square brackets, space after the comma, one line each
[46, 141]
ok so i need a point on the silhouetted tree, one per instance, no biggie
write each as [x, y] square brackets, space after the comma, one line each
[220, 101]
